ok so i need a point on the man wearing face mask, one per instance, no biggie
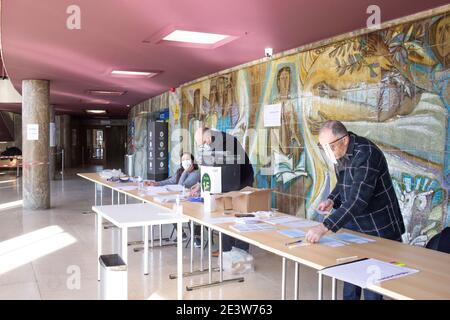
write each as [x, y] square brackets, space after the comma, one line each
[363, 198]
[209, 140]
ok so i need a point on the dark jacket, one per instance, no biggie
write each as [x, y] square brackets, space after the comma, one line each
[364, 197]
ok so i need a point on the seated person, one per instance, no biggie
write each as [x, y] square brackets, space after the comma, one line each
[187, 175]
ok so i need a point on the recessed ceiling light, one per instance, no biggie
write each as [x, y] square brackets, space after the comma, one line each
[96, 111]
[106, 93]
[195, 37]
[134, 74]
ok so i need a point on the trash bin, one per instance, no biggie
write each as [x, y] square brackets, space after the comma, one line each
[129, 165]
[113, 278]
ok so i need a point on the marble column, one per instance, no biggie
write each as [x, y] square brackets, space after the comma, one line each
[52, 153]
[35, 144]
[67, 140]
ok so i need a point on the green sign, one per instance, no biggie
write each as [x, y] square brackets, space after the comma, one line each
[206, 182]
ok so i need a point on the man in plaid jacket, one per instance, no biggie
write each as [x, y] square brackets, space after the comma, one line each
[364, 198]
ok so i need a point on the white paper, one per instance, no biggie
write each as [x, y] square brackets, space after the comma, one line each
[282, 219]
[52, 134]
[272, 115]
[367, 272]
[32, 132]
[174, 188]
[301, 224]
[348, 237]
[220, 220]
[252, 227]
[127, 188]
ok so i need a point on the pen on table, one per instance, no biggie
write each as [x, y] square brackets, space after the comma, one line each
[346, 258]
[294, 242]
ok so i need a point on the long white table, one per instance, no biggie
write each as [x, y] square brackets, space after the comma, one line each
[433, 282]
[140, 215]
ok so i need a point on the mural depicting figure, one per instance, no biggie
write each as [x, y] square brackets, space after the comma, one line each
[391, 86]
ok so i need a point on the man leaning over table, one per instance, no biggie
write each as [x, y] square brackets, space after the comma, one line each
[363, 198]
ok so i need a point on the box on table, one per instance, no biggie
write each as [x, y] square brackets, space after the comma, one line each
[246, 200]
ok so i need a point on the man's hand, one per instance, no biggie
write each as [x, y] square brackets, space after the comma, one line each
[326, 205]
[315, 233]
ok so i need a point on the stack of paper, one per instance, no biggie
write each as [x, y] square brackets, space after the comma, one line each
[252, 227]
[367, 272]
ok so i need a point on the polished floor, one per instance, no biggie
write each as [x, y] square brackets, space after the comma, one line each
[51, 254]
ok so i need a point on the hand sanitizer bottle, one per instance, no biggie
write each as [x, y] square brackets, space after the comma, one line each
[178, 206]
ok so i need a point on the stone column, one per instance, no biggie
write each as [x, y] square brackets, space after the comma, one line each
[35, 143]
[67, 140]
[52, 155]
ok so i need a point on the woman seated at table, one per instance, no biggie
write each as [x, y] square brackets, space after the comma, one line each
[188, 175]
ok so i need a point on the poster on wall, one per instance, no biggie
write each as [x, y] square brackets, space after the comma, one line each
[52, 134]
[32, 132]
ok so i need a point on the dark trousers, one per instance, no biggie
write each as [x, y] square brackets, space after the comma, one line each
[352, 292]
[229, 242]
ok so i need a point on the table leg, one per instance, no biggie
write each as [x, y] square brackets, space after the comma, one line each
[283, 279]
[201, 248]
[320, 287]
[124, 247]
[180, 260]
[296, 286]
[220, 258]
[146, 250]
[209, 255]
[95, 193]
[101, 195]
[333, 289]
[151, 236]
[192, 246]
[160, 235]
[99, 243]
[112, 196]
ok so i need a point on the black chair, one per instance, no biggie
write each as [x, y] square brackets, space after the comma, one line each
[441, 241]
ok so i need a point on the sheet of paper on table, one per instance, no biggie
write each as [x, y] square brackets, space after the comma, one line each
[127, 188]
[168, 198]
[348, 237]
[300, 224]
[220, 220]
[281, 219]
[252, 227]
[155, 190]
[367, 272]
[292, 233]
[174, 188]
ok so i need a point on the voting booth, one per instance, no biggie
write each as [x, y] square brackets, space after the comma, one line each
[219, 172]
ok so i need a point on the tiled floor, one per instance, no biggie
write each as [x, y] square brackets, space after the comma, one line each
[51, 254]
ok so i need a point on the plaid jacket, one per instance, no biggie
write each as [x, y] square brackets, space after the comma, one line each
[364, 197]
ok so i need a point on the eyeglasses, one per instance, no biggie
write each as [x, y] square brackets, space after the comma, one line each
[332, 142]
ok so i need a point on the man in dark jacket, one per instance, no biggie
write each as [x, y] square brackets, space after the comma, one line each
[212, 141]
[363, 198]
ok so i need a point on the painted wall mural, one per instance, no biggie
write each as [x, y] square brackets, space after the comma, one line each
[391, 86]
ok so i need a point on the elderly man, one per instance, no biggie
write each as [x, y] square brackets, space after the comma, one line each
[364, 198]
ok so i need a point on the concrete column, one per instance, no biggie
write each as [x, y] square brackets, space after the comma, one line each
[67, 140]
[35, 142]
[52, 155]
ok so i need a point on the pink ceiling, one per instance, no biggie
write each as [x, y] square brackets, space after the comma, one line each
[37, 45]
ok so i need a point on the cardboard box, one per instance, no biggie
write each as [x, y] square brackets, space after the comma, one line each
[246, 200]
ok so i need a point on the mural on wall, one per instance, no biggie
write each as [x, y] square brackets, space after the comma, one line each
[391, 86]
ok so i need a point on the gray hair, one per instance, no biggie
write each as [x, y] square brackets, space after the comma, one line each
[337, 128]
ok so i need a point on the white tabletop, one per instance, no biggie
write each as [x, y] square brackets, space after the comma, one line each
[137, 215]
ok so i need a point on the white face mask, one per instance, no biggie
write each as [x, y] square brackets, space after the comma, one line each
[329, 153]
[186, 164]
